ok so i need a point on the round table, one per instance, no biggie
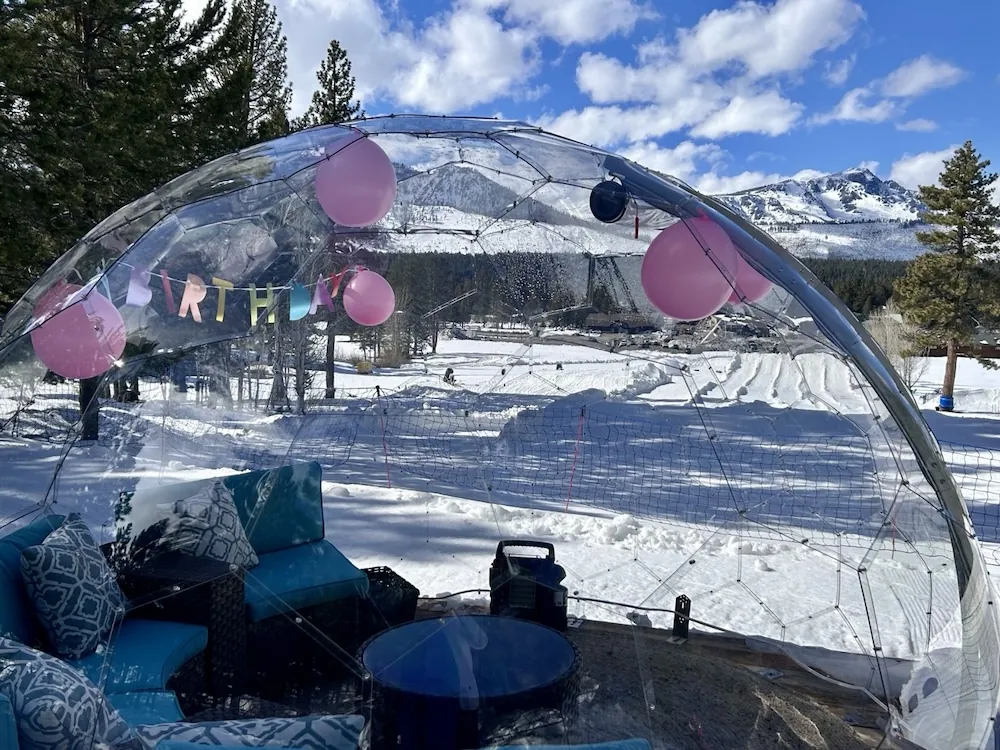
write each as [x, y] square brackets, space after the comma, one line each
[432, 679]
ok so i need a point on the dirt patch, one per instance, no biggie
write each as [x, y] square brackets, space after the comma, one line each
[682, 699]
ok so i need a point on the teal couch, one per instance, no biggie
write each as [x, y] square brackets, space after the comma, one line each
[282, 513]
[139, 665]
[144, 655]
[306, 604]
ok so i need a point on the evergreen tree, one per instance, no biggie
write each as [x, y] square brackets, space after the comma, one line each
[945, 291]
[333, 101]
[101, 99]
[247, 93]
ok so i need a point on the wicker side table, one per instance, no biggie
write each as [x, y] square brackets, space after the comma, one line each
[200, 591]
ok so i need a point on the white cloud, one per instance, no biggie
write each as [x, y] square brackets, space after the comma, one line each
[768, 39]
[753, 40]
[471, 53]
[854, 107]
[615, 125]
[921, 75]
[465, 58]
[768, 113]
[683, 161]
[914, 170]
[919, 125]
[891, 94]
[838, 73]
[699, 165]
[871, 166]
[571, 21]
[607, 80]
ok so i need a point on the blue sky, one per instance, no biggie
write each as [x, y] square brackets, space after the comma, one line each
[726, 95]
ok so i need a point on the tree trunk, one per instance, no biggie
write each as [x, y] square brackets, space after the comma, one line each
[90, 415]
[219, 387]
[950, 368]
[331, 363]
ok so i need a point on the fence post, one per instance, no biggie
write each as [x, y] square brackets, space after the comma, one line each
[576, 454]
[383, 413]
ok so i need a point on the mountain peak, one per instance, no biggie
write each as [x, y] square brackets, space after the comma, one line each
[849, 196]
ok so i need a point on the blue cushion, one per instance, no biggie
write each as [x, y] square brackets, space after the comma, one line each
[178, 745]
[305, 732]
[54, 704]
[8, 725]
[143, 655]
[281, 507]
[17, 615]
[146, 707]
[74, 592]
[308, 574]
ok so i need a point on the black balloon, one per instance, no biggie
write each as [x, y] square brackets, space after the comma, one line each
[609, 201]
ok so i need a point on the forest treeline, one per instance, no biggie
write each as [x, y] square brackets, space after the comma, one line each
[864, 285]
[506, 283]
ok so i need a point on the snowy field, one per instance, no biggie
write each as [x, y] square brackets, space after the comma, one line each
[633, 467]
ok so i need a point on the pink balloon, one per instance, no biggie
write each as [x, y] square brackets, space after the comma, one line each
[369, 299]
[750, 285]
[683, 281]
[80, 341]
[357, 185]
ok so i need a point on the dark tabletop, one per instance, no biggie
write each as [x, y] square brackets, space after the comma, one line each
[454, 656]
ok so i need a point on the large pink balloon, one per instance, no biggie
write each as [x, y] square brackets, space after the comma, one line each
[683, 281]
[81, 341]
[750, 285]
[369, 299]
[357, 185]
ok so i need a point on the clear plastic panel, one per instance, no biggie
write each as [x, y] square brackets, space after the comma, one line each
[479, 522]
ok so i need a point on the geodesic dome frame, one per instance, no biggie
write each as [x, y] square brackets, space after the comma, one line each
[222, 220]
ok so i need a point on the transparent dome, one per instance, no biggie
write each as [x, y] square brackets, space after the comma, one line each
[472, 511]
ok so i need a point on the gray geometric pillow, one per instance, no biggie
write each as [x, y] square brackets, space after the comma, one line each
[207, 524]
[75, 593]
[302, 732]
[55, 706]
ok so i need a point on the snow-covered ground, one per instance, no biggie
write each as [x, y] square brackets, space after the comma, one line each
[753, 483]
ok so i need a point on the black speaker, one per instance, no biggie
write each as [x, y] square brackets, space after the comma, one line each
[608, 201]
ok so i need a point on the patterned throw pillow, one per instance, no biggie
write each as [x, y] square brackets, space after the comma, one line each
[207, 524]
[303, 732]
[55, 706]
[75, 594]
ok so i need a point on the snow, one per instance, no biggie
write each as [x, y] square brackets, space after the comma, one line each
[607, 459]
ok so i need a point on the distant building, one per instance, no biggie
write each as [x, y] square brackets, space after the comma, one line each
[620, 323]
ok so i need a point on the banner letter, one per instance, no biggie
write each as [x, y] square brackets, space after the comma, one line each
[258, 303]
[298, 302]
[139, 293]
[194, 293]
[223, 285]
[168, 293]
[336, 279]
[321, 296]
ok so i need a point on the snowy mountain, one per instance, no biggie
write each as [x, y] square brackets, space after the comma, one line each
[850, 196]
[853, 213]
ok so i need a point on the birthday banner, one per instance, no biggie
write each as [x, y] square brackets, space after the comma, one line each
[82, 334]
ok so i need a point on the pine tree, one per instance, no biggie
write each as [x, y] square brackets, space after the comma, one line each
[101, 97]
[333, 101]
[945, 292]
[248, 93]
